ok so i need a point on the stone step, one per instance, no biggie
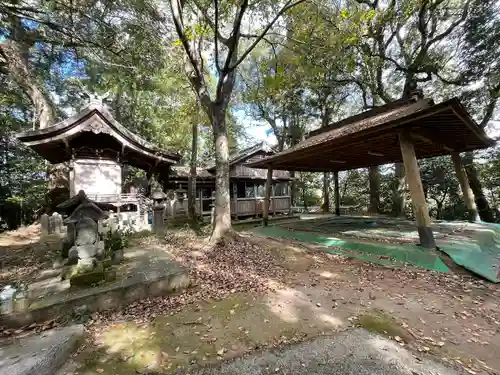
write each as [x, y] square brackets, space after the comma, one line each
[41, 354]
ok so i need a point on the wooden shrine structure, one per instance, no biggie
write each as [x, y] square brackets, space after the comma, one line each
[402, 131]
[96, 147]
[247, 186]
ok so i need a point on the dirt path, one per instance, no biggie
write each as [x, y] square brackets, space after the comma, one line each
[262, 293]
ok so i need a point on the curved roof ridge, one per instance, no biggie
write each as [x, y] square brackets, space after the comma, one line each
[58, 129]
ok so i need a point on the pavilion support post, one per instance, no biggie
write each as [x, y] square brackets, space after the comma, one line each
[256, 201]
[417, 192]
[267, 199]
[273, 201]
[465, 187]
[337, 193]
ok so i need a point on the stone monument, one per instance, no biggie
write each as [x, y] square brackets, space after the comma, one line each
[83, 234]
[44, 224]
[55, 223]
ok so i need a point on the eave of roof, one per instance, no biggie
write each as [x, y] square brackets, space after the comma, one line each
[70, 126]
[370, 130]
[245, 153]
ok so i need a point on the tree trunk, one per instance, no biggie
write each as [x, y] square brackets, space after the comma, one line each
[374, 180]
[192, 170]
[16, 52]
[326, 192]
[439, 210]
[467, 194]
[222, 223]
[483, 207]
[398, 196]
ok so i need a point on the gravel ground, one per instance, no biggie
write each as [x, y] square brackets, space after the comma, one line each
[355, 352]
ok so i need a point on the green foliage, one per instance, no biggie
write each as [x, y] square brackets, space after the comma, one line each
[322, 62]
[309, 186]
[117, 240]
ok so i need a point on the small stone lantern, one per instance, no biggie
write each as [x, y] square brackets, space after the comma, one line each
[87, 240]
[158, 197]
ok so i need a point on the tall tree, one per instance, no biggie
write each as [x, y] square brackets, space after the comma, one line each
[481, 70]
[219, 17]
[410, 42]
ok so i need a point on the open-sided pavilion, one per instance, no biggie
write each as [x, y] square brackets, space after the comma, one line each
[402, 131]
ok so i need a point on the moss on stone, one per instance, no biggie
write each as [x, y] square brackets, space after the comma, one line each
[90, 278]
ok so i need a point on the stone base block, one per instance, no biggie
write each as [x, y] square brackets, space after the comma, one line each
[88, 278]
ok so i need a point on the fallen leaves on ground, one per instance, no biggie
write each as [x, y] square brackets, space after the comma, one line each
[235, 266]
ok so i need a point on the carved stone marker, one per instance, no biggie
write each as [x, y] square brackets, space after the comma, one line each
[87, 237]
[44, 223]
[57, 223]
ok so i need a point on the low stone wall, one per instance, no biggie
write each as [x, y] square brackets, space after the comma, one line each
[101, 298]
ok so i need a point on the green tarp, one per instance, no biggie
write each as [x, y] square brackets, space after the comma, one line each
[379, 253]
[480, 252]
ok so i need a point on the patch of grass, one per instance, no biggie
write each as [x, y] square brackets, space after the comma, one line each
[377, 321]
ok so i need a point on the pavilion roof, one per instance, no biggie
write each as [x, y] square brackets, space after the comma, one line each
[95, 132]
[371, 138]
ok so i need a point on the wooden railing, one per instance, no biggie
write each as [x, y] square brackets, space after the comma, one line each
[244, 171]
[120, 199]
[244, 206]
[255, 206]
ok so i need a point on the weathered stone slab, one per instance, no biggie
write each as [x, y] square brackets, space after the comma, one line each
[42, 354]
[154, 274]
[44, 224]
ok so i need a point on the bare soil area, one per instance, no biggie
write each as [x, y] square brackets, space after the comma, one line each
[253, 293]
[256, 293]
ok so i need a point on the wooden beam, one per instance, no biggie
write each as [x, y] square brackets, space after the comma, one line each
[267, 199]
[427, 140]
[465, 187]
[417, 192]
[337, 193]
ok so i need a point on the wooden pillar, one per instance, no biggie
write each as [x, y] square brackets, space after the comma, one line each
[273, 201]
[337, 193]
[267, 199]
[256, 201]
[417, 192]
[465, 187]
[235, 200]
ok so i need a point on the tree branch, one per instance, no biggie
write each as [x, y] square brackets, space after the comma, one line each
[288, 6]
[213, 26]
[176, 9]
[490, 108]
[450, 29]
[235, 36]
[216, 35]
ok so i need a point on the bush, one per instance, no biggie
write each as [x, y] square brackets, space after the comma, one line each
[116, 240]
